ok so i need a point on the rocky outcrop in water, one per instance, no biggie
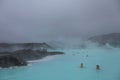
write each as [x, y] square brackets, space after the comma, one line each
[112, 39]
[10, 61]
[20, 57]
[25, 52]
[33, 54]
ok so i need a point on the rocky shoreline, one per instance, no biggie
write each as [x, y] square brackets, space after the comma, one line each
[21, 56]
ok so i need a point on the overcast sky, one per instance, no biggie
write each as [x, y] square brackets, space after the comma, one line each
[47, 20]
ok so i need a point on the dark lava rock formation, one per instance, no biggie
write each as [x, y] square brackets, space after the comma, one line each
[20, 57]
[19, 46]
[33, 54]
[26, 52]
[10, 61]
[112, 39]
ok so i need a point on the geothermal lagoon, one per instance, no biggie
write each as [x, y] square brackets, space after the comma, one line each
[67, 66]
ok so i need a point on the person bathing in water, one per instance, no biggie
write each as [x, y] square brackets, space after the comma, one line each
[81, 65]
[98, 67]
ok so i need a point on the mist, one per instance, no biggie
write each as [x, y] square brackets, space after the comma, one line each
[52, 20]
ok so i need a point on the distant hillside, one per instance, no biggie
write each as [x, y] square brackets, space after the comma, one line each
[112, 39]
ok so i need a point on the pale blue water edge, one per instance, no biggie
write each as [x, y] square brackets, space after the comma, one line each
[66, 67]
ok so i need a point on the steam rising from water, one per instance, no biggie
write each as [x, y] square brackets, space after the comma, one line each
[44, 20]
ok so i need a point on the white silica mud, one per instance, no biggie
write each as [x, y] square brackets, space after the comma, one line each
[67, 67]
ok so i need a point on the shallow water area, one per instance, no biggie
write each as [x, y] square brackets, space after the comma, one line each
[67, 67]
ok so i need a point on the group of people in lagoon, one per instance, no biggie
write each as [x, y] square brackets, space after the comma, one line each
[97, 66]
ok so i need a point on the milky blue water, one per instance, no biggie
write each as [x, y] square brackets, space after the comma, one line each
[67, 67]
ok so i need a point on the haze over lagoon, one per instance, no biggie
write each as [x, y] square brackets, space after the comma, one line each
[64, 24]
[44, 20]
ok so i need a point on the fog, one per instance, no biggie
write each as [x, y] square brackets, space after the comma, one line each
[50, 20]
